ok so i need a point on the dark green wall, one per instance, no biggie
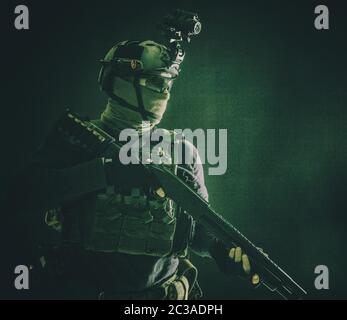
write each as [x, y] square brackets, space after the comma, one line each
[259, 69]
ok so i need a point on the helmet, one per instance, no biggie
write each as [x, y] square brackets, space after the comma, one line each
[146, 63]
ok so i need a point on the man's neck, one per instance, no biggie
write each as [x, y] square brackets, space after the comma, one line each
[117, 118]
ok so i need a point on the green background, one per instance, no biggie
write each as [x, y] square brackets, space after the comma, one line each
[259, 69]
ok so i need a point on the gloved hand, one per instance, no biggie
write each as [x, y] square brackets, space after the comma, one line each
[234, 262]
[128, 175]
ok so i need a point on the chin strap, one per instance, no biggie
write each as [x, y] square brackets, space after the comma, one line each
[142, 110]
[122, 102]
[146, 115]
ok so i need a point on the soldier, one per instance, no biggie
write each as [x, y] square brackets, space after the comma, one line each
[114, 234]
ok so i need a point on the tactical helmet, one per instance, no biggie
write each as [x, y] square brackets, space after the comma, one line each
[146, 63]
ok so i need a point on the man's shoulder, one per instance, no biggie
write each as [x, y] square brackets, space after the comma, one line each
[177, 138]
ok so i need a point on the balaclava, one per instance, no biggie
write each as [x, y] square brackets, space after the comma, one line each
[116, 115]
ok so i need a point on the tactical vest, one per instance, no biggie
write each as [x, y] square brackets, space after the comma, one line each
[135, 222]
[138, 222]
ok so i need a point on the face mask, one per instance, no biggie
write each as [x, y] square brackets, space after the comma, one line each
[119, 116]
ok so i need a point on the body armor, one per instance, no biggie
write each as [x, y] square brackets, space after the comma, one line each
[135, 221]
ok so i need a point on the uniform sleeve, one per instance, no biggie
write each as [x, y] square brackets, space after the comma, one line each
[193, 174]
[40, 187]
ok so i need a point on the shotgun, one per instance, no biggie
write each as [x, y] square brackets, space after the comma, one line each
[84, 135]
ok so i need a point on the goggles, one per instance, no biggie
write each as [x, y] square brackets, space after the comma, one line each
[157, 83]
[158, 80]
